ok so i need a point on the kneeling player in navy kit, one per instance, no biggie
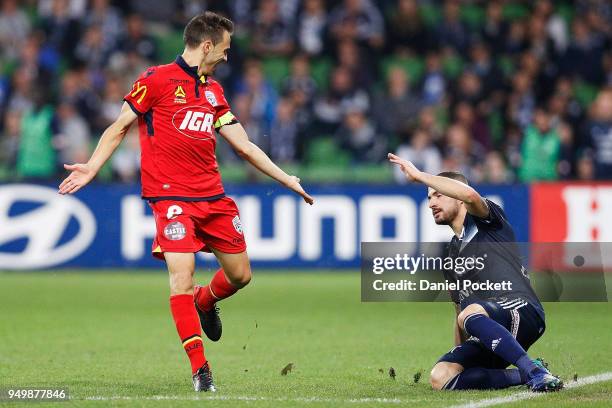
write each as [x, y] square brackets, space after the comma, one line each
[501, 324]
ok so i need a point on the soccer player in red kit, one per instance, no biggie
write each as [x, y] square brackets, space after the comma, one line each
[179, 107]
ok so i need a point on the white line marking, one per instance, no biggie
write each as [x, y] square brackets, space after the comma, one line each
[245, 398]
[529, 395]
[472, 404]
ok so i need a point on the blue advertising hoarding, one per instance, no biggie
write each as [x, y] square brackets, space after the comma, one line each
[105, 226]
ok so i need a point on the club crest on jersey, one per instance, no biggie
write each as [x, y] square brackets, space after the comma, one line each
[237, 224]
[179, 95]
[195, 122]
[210, 97]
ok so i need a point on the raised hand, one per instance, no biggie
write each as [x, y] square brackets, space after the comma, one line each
[294, 184]
[80, 175]
[409, 169]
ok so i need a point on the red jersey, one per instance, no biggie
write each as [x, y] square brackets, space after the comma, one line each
[178, 113]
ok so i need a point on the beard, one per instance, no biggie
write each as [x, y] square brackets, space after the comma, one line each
[447, 217]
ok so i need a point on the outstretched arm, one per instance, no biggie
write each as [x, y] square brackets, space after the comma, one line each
[239, 140]
[83, 173]
[474, 203]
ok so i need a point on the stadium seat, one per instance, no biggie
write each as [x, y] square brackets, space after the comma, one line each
[413, 66]
[452, 66]
[514, 11]
[585, 93]
[430, 13]
[319, 69]
[275, 69]
[473, 15]
[169, 45]
[324, 151]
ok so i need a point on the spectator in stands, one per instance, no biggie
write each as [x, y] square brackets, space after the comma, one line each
[342, 92]
[484, 67]
[74, 137]
[350, 56]
[516, 40]
[462, 150]
[540, 149]
[125, 163]
[358, 20]
[312, 27]
[62, 30]
[451, 30]
[272, 35]
[521, 101]
[263, 97]
[556, 28]
[419, 149]
[10, 139]
[77, 91]
[476, 125]
[300, 78]
[358, 136]
[397, 108]
[111, 103]
[284, 133]
[434, 82]
[137, 40]
[108, 18]
[584, 55]
[406, 31]
[495, 29]
[19, 99]
[14, 29]
[598, 134]
[36, 158]
[92, 51]
[495, 170]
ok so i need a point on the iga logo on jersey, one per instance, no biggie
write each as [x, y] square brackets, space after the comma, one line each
[194, 122]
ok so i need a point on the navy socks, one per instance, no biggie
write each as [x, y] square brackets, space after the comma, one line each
[498, 339]
[478, 378]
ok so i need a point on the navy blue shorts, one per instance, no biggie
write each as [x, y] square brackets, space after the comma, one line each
[523, 323]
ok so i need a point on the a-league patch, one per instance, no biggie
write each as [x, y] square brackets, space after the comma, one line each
[211, 98]
[175, 231]
[237, 224]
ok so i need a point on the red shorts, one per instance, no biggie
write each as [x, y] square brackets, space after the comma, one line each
[186, 226]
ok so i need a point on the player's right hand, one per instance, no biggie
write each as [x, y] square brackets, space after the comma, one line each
[80, 175]
[294, 184]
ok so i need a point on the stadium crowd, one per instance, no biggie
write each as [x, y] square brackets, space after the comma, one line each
[504, 91]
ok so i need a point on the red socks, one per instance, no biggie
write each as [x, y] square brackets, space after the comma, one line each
[188, 328]
[219, 288]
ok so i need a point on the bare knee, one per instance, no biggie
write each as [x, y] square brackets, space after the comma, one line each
[442, 373]
[474, 308]
[241, 276]
[181, 282]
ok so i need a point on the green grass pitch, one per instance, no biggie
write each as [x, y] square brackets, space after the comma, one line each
[110, 339]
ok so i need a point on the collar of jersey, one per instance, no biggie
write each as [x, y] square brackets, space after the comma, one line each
[191, 71]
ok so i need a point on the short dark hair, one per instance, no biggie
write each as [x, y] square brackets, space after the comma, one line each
[455, 176]
[207, 25]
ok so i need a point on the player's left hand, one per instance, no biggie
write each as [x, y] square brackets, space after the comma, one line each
[294, 184]
[410, 171]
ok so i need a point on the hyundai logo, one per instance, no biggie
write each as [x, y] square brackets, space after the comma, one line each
[43, 227]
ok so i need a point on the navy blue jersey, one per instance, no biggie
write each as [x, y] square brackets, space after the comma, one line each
[493, 239]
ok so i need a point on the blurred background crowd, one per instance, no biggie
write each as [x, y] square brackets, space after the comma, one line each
[504, 91]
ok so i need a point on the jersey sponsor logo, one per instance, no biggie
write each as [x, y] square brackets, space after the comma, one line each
[211, 98]
[194, 123]
[179, 95]
[56, 228]
[139, 89]
[175, 231]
